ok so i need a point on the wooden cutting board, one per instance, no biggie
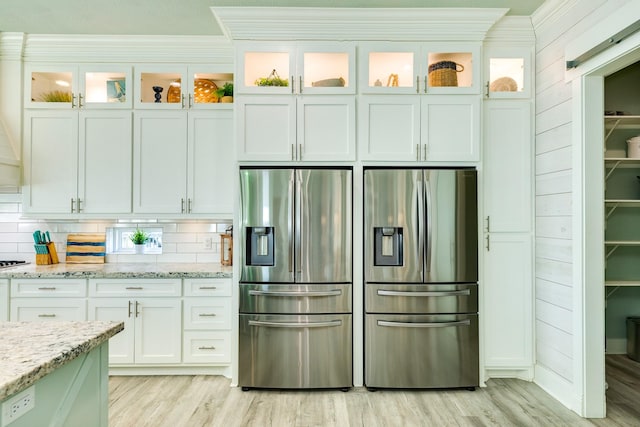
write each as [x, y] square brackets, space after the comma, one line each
[86, 248]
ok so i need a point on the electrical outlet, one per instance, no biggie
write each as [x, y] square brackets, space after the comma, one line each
[208, 243]
[18, 405]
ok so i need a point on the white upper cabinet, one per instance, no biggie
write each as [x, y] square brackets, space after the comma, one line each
[507, 72]
[102, 86]
[419, 68]
[296, 68]
[179, 87]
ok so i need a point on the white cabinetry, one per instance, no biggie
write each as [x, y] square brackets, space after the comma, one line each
[151, 311]
[508, 71]
[508, 278]
[77, 162]
[419, 128]
[48, 299]
[207, 321]
[182, 161]
[306, 115]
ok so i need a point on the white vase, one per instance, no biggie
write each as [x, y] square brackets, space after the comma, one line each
[139, 249]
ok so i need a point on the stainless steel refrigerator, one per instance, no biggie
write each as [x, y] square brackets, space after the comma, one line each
[421, 273]
[295, 326]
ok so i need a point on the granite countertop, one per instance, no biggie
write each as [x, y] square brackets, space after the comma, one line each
[31, 350]
[117, 271]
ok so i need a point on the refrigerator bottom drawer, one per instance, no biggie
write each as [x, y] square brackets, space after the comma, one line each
[421, 351]
[295, 351]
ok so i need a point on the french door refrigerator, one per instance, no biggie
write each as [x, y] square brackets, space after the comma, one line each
[295, 326]
[421, 273]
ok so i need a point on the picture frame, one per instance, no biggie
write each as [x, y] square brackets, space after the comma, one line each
[116, 90]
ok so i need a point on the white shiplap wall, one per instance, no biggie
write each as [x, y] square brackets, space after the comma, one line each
[558, 23]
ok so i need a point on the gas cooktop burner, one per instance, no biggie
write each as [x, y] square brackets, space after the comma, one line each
[4, 264]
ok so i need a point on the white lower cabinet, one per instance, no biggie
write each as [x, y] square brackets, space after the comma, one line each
[48, 299]
[153, 321]
[207, 321]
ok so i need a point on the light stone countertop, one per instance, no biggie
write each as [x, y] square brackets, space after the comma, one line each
[117, 271]
[31, 350]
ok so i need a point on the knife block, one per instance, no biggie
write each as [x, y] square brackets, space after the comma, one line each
[43, 259]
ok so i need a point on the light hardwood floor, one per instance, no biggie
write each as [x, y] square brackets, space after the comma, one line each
[198, 401]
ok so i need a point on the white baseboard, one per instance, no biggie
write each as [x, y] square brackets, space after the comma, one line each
[170, 370]
[616, 346]
[525, 374]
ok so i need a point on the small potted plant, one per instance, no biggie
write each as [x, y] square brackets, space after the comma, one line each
[139, 239]
[225, 93]
[272, 79]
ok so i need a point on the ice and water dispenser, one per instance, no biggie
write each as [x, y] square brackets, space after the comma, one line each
[387, 246]
[260, 246]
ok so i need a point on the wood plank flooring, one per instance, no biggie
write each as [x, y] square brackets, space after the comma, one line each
[198, 401]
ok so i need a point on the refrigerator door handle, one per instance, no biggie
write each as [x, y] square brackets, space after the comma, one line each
[389, 324]
[291, 221]
[383, 292]
[298, 226]
[297, 294]
[331, 323]
[427, 218]
[420, 222]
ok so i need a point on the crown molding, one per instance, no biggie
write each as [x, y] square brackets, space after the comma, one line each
[516, 29]
[115, 48]
[395, 24]
[11, 46]
[549, 13]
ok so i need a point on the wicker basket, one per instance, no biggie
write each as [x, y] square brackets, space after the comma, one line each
[444, 73]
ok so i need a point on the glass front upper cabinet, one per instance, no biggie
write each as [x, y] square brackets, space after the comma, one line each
[508, 72]
[419, 68]
[176, 87]
[99, 86]
[301, 69]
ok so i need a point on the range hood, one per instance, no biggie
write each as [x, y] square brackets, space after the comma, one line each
[9, 163]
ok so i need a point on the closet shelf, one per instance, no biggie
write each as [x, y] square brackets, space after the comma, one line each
[622, 122]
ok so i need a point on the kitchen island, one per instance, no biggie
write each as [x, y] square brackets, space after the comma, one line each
[55, 373]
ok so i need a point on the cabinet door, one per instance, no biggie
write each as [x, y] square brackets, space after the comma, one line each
[105, 86]
[45, 309]
[104, 180]
[160, 161]
[450, 128]
[51, 86]
[121, 345]
[326, 128]
[211, 162]
[508, 314]
[266, 128]
[389, 127]
[265, 68]
[451, 68]
[509, 71]
[50, 161]
[391, 68]
[507, 166]
[160, 87]
[325, 68]
[158, 330]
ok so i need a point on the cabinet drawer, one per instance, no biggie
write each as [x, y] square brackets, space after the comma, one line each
[207, 313]
[206, 347]
[135, 287]
[48, 288]
[45, 309]
[207, 287]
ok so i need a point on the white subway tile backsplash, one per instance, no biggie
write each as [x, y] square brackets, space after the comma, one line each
[183, 241]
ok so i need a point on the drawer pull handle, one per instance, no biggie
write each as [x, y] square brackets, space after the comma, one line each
[207, 315]
[423, 325]
[46, 315]
[208, 288]
[330, 293]
[386, 293]
[47, 288]
[206, 348]
[134, 288]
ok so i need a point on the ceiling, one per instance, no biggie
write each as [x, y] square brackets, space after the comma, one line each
[181, 17]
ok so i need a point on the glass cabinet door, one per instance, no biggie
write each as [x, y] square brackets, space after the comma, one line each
[508, 72]
[389, 68]
[207, 89]
[265, 69]
[326, 68]
[51, 87]
[105, 87]
[449, 68]
[161, 87]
